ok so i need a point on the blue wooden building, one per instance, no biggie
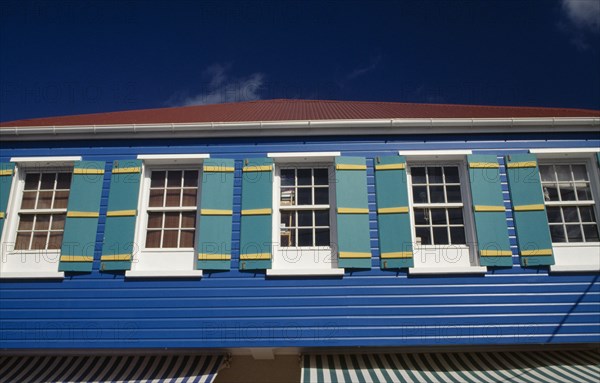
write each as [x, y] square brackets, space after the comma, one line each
[294, 240]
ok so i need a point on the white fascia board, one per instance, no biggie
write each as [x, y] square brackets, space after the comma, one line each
[447, 270]
[429, 153]
[37, 160]
[305, 128]
[564, 150]
[574, 268]
[304, 272]
[163, 273]
[173, 159]
[303, 157]
[31, 275]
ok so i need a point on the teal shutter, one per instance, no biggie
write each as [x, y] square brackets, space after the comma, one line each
[354, 242]
[395, 240]
[257, 214]
[118, 248]
[7, 171]
[216, 210]
[529, 211]
[489, 211]
[598, 158]
[81, 224]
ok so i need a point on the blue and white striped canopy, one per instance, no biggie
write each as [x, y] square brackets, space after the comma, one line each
[486, 367]
[147, 368]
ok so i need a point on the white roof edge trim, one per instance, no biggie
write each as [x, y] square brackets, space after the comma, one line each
[564, 151]
[303, 154]
[304, 127]
[459, 152]
[45, 159]
[172, 156]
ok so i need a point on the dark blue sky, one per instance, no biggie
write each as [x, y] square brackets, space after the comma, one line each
[60, 58]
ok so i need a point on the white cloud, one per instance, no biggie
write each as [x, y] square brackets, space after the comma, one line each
[584, 14]
[220, 88]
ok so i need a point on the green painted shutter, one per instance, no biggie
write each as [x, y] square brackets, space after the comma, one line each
[529, 211]
[257, 214]
[354, 242]
[81, 224]
[118, 248]
[7, 171]
[598, 158]
[489, 211]
[216, 210]
[395, 240]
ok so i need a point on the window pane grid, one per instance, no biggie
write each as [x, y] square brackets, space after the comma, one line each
[304, 207]
[569, 203]
[44, 195]
[437, 205]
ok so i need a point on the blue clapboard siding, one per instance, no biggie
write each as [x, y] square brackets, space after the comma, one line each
[243, 309]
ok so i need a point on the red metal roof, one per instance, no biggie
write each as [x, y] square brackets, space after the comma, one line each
[284, 110]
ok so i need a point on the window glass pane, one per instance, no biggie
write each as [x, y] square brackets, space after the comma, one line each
[26, 222]
[574, 233]
[305, 218]
[172, 220]
[288, 238]
[29, 200]
[419, 194]
[188, 220]
[553, 214]
[451, 173]
[321, 177]
[418, 175]
[44, 200]
[423, 235]
[570, 214]
[579, 173]
[155, 220]
[23, 241]
[170, 238]
[434, 174]
[567, 193]
[174, 178]
[591, 233]
[322, 237]
[563, 172]
[156, 198]
[157, 179]
[438, 216]
[455, 216]
[42, 222]
[190, 178]
[587, 214]
[31, 181]
[305, 237]
[153, 239]
[304, 177]
[436, 193]
[55, 240]
[189, 197]
[60, 199]
[304, 196]
[453, 193]
[321, 196]
[63, 181]
[288, 196]
[287, 177]
[48, 181]
[322, 218]
[39, 240]
[187, 238]
[173, 196]
[550, 192]
[422, 216]
[547, 173]
[440, 236]
[583, 191]
[457, 235]
[288, 219]
[58, 222]
[557, 233]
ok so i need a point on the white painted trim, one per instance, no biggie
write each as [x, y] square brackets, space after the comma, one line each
[447, 270]
[563, 150]
[574, 268]
[172, 156]
[303, 272]
[288, 128]
[23, 160]
[32, 275]
[458, 152]
[163, 274]
[303, 154]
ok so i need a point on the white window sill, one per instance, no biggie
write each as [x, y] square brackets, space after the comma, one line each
[447, 270]
[574, 268]
[304, 272]
[163, 274]
[31, 275]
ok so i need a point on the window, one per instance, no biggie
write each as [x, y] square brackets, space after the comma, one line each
[439, 199]
[303, 209]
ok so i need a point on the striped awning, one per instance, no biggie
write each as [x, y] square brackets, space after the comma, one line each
[147, 368]
[491, 367]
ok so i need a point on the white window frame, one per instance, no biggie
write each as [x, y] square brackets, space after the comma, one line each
[444, 259]
[41, 264]
[304, 261]
[575, 256]
[155, 262]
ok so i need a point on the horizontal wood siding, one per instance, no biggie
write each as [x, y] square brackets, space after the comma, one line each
[244, 309]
